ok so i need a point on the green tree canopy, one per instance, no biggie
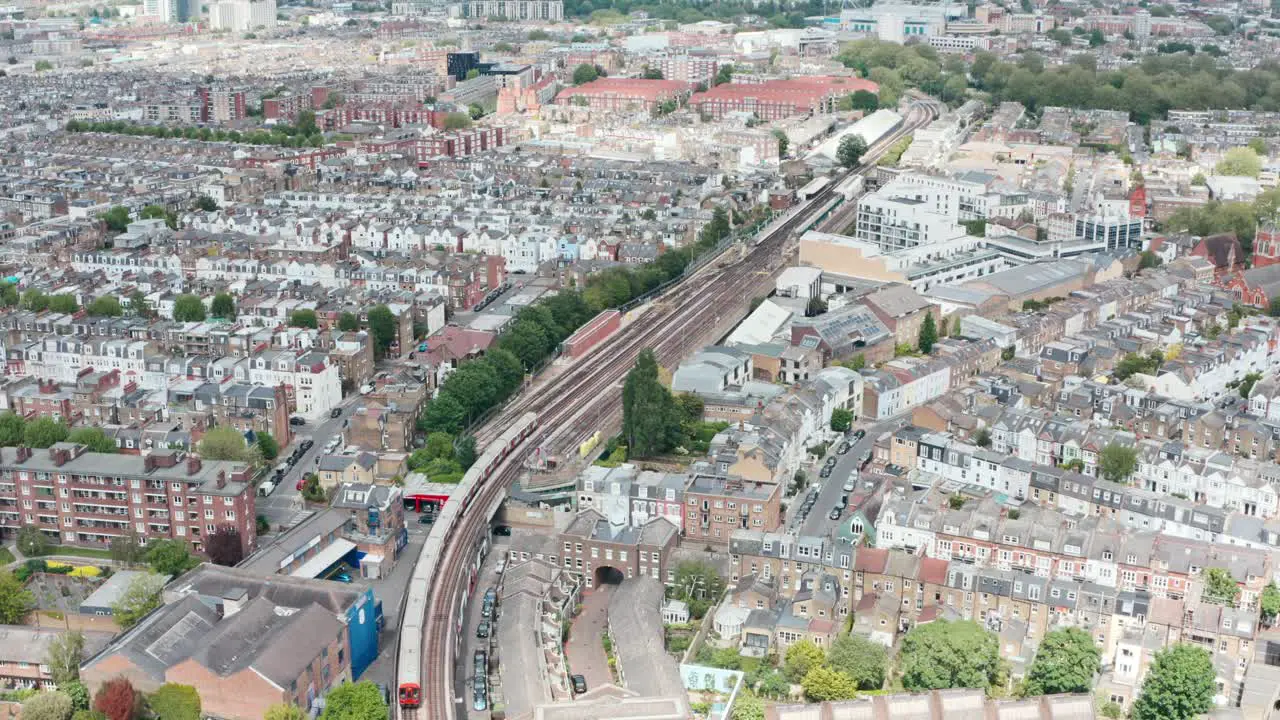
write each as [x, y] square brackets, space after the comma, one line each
[11, 429]
[48, 706]
[1066, 662]
[348, 322]
[226, 443]
[138, 600]
[43, 432]
[860, 659]
[285, 711]
[928, 334]
[64, 656]
[105, 306]
[267, 446]
[116, 219]
[1240, 161]
[822, 684]
[304, 318]
[942, 654]
[1117, 462]
[172, 701]
[1220, 587]
[170, 557]
[841, 419]
[802, 657]
[188, 308]
[1179, 686]
[382, 326]
[355, 701]
[650, 418]
[585, 73]
[15, 600]
[223, 306]
[850, 150]
[94, 438]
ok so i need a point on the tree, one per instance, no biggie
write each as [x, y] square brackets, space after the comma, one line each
[942, 654]
[138, 304]
[1270, 603]
[11, 429]
[117, 700]
[15, 600]
[745, 707]
[1240, 161]
[864, 100]
[78, 693]
[306, 123]
[1096, 38]
[63, 304]
[443, 413]
[1149, 260]
[1117, 462]
[841, 419]
[1180, 685]
[802, 657]
[35, 300]
[585, 73]
[267, 446]
[126, 550]
[860, 659]
[48, 706]
[1065, 663]
[223, 306]
[982, 438]
[138, 600]
[815, 307]
[285, 711]
[304, 318]
[9, 295]
[507, 369]
[457, 121]
[650, 419]
[1246, 385]
[784, 143]
[105, 306]
[159, 212]
[206, 203]
[188, 308]
[382, 325]
[226, 443]
[850, 151]
[172, 701]
[32, 542]
[93, 438]
[1220, 587]
[355, 701]
[116, 219]
[170, 557]
[928, 334]
[699, 585]
[65, 653]
[348, 322]
[652, 73]
[472, 74]
[723, 75]
[822, 684]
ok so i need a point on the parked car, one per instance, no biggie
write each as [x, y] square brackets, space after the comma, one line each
[503, 530]
[864, 460]
[426, 518]
[486, 609]
[848, 485]
[491, 595]
[481, 662]
[579, 684]
[480, 702]
[825, 472]
[482, 630]
[859, 434]
[831, 462]
[295, 420]
[843, 448]
[835, 513]
[336, 412]
[306, 445]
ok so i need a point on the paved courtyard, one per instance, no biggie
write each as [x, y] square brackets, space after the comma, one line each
[586, 651]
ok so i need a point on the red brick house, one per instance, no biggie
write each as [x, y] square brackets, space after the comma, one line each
[1257, 286]
[1266, 246]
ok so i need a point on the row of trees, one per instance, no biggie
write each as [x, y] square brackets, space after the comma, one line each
[304, 133]
[537, 331]
[117, 699]
[42, 432]
[444, 459]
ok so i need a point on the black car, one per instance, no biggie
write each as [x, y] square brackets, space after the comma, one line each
[295, 420]
[482, 630]
[859, 434]
[835, 513]
[843, 448]
[824, 472]
[426, 518]
[579, 684]
[486, 609]
[336, 412]
[306, 445]
[503, 530]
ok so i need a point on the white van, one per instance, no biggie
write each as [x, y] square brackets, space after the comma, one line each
[265, 488]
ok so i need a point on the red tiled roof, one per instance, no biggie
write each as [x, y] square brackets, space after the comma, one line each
[871, 560]
[932, 570]
[627, 87]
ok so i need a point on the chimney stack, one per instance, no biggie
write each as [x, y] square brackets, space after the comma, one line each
[24, 453]
[149, 463]
[193, 464]
[222, 479]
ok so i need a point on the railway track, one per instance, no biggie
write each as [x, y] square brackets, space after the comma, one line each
[572, 405]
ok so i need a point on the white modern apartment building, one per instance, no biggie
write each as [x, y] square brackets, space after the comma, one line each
[963, 198]
[898, 223]
[544, 10]
[243, 15]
